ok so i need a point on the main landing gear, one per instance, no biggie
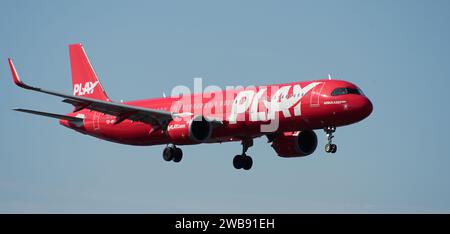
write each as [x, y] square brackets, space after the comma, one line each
[172, 153]
[330, 147]
[243, 161]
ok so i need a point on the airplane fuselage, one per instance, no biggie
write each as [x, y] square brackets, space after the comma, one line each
[300, 106]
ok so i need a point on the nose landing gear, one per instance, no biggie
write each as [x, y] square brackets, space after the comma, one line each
[330, 147]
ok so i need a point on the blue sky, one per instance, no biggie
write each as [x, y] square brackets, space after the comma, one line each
[396, 161]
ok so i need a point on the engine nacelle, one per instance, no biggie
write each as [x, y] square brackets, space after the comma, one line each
[295, 144]
[192, 131]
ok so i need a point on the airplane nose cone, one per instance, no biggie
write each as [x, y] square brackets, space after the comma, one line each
[366, 107]
[360, 107]
[369, 107]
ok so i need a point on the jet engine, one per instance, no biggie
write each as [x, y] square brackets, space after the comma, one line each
[191, 131]
[295, 144]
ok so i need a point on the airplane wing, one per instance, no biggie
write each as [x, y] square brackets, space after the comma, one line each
[121, 111]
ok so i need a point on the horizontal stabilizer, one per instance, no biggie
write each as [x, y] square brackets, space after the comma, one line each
[51, 115]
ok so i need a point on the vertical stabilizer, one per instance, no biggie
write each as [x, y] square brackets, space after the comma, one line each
[84, 80]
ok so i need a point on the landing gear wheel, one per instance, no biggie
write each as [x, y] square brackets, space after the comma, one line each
[242, 161]
[237, 161]
[330, 147]
[333, 148]
[178, 155]
[168, 153]
[247, 163]
[172, 153]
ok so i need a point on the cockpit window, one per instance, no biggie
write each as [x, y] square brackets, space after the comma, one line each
[352, 91]
[339, 91]
[342, 91]
[361, 92]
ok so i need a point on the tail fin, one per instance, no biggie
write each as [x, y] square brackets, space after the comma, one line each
[84, 79]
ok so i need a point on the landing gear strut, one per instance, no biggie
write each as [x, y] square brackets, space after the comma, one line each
[243, 161]
[330, 147]
[172, 153]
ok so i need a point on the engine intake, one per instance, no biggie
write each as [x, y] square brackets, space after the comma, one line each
[295, 144]
[195, 130]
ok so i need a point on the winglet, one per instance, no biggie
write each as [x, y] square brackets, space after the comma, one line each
[16, 77]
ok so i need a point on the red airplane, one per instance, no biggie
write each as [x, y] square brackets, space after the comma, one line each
[287, 114]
